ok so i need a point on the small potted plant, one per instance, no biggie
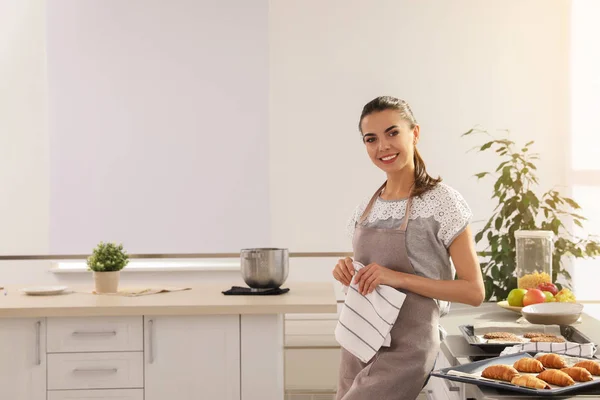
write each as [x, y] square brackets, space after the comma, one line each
[106, 262]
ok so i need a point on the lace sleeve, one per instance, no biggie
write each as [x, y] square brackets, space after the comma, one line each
[454, 215]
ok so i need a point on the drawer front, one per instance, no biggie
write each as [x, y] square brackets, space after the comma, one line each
[122, 394]
[72, 335]
[95, 370]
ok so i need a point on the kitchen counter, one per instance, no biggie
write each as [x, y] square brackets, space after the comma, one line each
[457, 351]
[207, 299]
[181, 344]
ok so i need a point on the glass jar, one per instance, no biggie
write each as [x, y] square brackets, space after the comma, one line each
[534, 258]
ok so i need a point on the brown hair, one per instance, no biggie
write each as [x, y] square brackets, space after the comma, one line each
[423, 181]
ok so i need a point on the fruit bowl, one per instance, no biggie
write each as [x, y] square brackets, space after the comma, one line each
[552, 313]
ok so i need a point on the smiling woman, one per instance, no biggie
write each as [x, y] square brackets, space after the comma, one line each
[405, 235]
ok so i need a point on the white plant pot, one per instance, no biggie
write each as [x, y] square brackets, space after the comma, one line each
[106, 282]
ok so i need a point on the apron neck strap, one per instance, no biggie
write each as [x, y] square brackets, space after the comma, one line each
[407, 212]
[365, 213]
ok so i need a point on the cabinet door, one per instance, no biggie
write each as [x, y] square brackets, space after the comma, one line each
[23, 359]
[192, 357]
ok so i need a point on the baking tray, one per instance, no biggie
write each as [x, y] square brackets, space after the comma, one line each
[570, 334]
[478, 366]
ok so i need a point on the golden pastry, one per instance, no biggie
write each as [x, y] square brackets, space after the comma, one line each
[592, 366]
[531, 335]
[529, 381]
[528, 365]
[552, 360]
[500, 371]
[556, 377]
[578, 374]
[499, 335]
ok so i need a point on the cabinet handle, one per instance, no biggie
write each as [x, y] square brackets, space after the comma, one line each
[92, 333]
[38, 347]
[451, 387]
[110, 370]
[151, 341]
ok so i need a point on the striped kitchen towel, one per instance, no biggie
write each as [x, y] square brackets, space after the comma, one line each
[567, 348]
[365, 322]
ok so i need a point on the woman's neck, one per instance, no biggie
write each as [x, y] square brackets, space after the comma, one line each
[399, 184]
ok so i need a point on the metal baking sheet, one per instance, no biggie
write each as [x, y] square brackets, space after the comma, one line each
[570, 334]
[478, 366]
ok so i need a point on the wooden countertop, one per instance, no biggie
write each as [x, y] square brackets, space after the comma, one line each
[303, 297]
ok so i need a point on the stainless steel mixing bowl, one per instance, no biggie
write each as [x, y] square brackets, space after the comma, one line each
[264, 268]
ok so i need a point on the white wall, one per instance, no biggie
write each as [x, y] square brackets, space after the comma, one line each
[24, 176]
[502, 65]
[458, 63]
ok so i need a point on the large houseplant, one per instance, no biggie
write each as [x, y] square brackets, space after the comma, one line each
[521, 208]
[106, 262]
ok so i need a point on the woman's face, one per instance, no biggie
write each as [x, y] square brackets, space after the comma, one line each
[389, 140]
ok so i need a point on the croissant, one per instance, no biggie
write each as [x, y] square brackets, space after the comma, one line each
[528, 365]
[552, 361]
[592, 366]
[529, 381]
[556, 377]
[500, 371]
[578, 374]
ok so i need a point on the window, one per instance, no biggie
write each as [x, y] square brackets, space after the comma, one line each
[584, 169]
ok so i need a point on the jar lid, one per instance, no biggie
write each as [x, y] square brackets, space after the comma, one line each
[535, 234]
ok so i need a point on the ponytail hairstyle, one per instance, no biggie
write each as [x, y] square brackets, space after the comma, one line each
[423, 181]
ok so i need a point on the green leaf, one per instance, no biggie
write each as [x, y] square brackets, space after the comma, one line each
[551, 203]
[524, 149]
[572, 203]
[479, 236]
[502, 164]
[578, 223]
[481, 175]
[486, 146]
[498, 223]
[495, 272]
[517, 186]
[529, 143]
[468, 132]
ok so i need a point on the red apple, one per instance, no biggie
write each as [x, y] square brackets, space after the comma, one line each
[548, 287]
[533, 296]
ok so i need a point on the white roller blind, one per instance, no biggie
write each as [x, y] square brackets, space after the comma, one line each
[158, 124]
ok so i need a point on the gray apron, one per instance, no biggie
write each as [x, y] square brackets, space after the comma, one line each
[399, 371]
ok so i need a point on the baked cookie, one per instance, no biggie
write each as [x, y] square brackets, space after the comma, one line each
[531, 335]
[499, 335]
[548, 339]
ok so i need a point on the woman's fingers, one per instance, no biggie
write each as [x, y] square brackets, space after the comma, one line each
[371, 284]
[349, 266]
[343, 271]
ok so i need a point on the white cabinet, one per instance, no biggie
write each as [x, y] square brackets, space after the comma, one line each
[192, 357]
[23, 359]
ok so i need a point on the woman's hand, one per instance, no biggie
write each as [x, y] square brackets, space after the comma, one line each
[344, 271]
[371, 276]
